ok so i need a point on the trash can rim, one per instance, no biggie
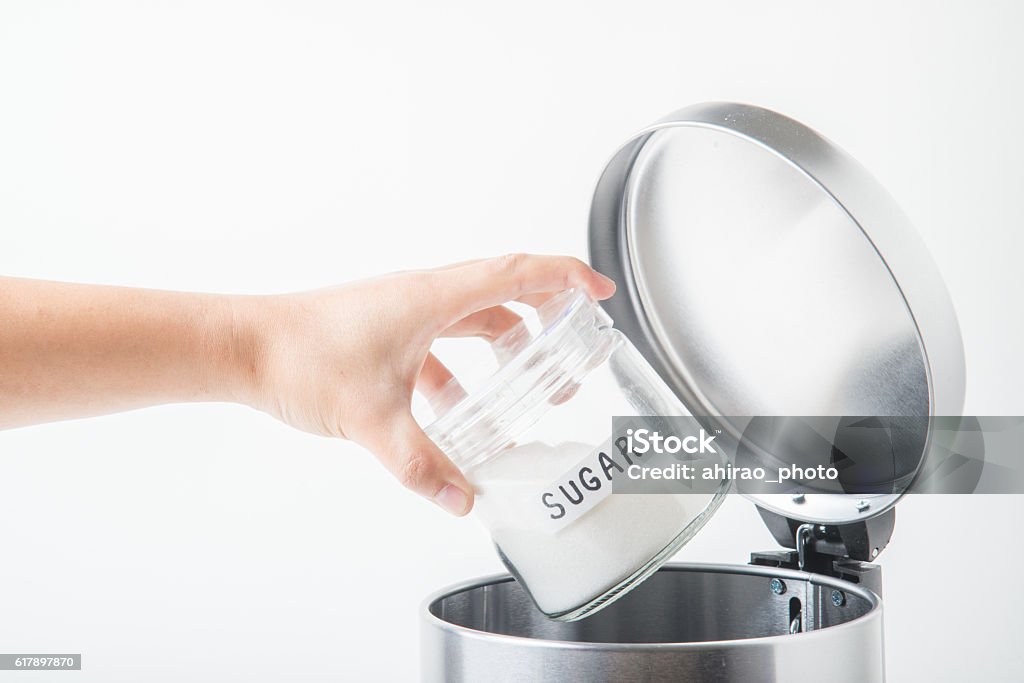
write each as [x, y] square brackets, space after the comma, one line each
[874, 612]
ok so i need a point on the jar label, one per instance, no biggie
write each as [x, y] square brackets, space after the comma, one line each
[579, 490]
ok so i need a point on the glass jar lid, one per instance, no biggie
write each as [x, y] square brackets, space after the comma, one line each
[536, 371]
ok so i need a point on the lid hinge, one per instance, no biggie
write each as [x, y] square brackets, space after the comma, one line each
[840, 550]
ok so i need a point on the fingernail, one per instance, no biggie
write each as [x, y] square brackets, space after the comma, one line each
[452, 499]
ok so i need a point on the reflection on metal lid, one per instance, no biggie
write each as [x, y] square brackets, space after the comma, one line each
[763, 271]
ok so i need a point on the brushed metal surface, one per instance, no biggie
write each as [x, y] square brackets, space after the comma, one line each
[687, 622]
[763, 271]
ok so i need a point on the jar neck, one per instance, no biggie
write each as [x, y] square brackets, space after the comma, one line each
[537, 374]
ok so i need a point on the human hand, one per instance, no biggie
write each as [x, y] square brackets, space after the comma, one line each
[344, 362]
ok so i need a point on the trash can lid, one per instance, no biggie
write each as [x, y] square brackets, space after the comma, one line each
[763, 272]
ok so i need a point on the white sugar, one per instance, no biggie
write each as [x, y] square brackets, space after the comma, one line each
[566, 568]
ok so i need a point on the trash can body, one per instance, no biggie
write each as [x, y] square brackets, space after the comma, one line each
[688, 622]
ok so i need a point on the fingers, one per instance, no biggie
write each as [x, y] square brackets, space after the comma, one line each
[536, 300]
[437, 384]
[471, 306]
[483, 284]
[434, 375]
[420, 466]
[489, 323]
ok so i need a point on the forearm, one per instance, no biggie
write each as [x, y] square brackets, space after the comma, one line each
[69, 350]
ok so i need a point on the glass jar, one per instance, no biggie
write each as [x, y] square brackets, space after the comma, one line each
[530, 439]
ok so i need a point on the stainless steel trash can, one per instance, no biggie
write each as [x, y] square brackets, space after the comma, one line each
[762, 272]
[688, 622]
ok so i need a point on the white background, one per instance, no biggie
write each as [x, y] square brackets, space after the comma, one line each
[255, 147]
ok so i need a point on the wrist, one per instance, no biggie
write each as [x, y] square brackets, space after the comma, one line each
[244, 343]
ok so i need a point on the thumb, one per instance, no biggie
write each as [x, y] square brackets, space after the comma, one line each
[416, 461]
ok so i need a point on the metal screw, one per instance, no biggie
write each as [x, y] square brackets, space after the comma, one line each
[838, 599]
[778, 586]
[874, 553]
[798, 497]
[862, 505]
